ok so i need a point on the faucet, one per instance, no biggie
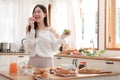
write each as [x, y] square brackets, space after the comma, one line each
[94, 52]
[22, 45]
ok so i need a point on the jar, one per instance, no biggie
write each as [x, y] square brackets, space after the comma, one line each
[82, 64]
[63, 47]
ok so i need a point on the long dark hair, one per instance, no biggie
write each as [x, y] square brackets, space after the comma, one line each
[43, 8]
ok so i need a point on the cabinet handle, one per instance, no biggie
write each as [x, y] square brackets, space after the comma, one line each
[76, 62]
[20, 56]
[109, 62]
[73, 61]
[59, 58]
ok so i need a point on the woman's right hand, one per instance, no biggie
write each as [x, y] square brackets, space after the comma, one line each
[31, 22]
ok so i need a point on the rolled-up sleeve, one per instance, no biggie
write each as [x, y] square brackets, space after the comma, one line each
[56, 43]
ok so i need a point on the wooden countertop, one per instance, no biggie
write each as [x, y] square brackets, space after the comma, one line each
[90, 57]
[54, 77]
[71, 56]
[12, 53]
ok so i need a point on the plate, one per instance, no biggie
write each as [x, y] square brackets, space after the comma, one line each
[66, 75]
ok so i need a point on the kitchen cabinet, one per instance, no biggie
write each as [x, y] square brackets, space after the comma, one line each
[105, 65]
[4, 62]
[22, 58]
[58, 61]
[6, 59]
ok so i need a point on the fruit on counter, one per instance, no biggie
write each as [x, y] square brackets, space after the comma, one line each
[67, 31]
[70, 51]
[73, 52]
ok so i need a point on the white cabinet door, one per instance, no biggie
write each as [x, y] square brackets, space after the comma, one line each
[59, 61]
[4, 60]
[19, 58]
[22, 58]
[4, 68]
[104, 65]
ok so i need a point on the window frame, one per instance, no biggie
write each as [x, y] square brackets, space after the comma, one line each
[110, 21]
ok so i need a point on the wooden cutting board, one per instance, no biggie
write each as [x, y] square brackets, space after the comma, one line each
[102, 72]
[106, 72]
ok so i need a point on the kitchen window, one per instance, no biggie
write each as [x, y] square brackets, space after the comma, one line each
[112, 24]
[81, 17]
[89, 15]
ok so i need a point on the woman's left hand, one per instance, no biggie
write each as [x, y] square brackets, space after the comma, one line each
[65, 33]
[63, 36]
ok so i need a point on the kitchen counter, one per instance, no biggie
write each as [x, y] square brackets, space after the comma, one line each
[13, 53]
[54, 77]
[90, 57]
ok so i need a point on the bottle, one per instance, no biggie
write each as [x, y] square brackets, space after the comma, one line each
[82, 65]
[61, 48]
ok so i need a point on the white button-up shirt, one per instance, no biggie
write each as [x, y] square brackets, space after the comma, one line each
[44, 45]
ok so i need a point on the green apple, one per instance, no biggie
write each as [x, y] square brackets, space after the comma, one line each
[67, 31]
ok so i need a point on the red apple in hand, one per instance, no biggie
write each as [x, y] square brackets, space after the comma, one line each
[33, 19]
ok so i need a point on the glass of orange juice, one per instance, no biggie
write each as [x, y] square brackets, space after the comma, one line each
[13, 68]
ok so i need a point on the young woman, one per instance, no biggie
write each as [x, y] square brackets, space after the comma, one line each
[41, 40]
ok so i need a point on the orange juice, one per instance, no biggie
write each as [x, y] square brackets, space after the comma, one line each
[13, 68]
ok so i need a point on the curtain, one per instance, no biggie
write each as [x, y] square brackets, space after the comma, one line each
[14, 16]
[66, 15]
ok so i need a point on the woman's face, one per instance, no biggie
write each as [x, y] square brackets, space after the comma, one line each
[39, 15]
